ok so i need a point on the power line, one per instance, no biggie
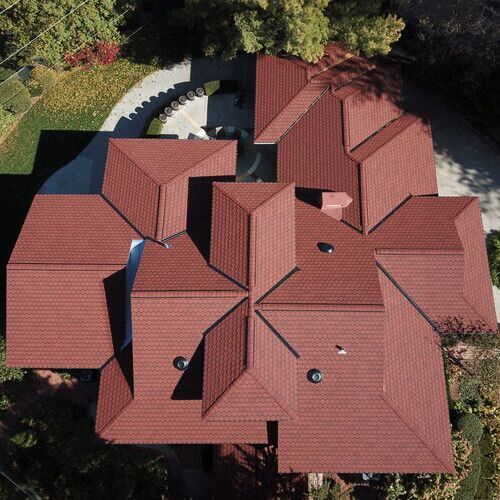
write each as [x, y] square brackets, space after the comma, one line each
[27, 493]
[10, 6]
[44, 31]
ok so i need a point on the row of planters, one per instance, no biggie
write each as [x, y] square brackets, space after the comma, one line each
[156, 125]
[17, 95]
[180, 101]
[208, 89]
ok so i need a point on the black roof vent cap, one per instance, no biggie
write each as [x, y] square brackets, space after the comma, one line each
[181, 363]
[325, 247]
[314, 375]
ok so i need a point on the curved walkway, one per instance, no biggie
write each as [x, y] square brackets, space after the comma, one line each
[131, 115]
[467, 163]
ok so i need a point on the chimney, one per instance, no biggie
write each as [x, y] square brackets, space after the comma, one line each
[333, 204]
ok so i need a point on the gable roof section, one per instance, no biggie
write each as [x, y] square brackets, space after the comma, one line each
[179, 269]
[65, 284]
[347, 277]
[445, 250]
[115, 388]
[249, 374]
[72, 229]
[151, 181]
[413, 363]
[253, 233]
[287, 87]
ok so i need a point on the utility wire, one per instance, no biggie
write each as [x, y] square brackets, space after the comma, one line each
[27, 493]
[10, 6]
[44, 31]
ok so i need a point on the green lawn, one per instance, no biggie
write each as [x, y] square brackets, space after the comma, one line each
[51, 134]
[81, 101]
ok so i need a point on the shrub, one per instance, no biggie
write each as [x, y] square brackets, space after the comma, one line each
[9, 89]
[472, 428]
[6, 119]
[46, 77]
[8, 374]
[5, 73]
[487, 467]
[493, 248]
[468, 486]
[486, 444]
[24, 439]
[20, 103]
[155, 127]
[212, 87]
[101, 53]
[330, 490]
[34, 88]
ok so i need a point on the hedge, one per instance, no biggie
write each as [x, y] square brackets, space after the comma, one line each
[6, 119]
[472, 428]
[155, 127]
[493, 248]
[468, 486]
[212, 87]
[46, 77]
[14, 96]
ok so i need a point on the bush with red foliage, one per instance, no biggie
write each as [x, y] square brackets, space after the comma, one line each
[101, 53]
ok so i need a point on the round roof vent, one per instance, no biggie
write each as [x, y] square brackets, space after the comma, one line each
[314, 375]
[325, 247]
[181, 363]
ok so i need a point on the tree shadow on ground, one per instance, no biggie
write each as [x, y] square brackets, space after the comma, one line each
[251, 472]
[55, 149]
[468, 163]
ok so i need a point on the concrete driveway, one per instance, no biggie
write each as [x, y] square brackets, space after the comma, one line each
[467, 163]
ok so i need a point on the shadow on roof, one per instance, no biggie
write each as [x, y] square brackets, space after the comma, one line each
[190, 385]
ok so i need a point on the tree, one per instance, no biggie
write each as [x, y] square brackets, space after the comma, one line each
[362, 26]
[84, 25]
[461, 36]
[298, 27]
[493, 247]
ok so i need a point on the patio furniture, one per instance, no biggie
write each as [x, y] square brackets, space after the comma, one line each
[182, 99]
[174, 105]
[191, 95]
[200, 92]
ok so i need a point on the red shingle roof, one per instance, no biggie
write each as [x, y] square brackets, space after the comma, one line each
[148, 180]
[363, 144]
[249, 298]
[64, 283]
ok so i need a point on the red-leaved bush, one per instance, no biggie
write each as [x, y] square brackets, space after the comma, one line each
[101, 53]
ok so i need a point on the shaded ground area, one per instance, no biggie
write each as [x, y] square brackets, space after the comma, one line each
[467, 163]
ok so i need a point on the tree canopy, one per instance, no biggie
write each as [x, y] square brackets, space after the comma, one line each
[85, 24]
[297, 27]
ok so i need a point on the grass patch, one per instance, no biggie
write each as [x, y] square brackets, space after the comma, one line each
[79, 102]
[155, 127]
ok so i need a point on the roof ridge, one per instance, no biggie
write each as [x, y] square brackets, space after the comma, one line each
[229, 142]
[391, 405]
[303, 114]
[113, 142]
[379, 131]
[471, 199]
[230, 387]
[286, 185]
[252, 372]
[282, 110]
[304, 70]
